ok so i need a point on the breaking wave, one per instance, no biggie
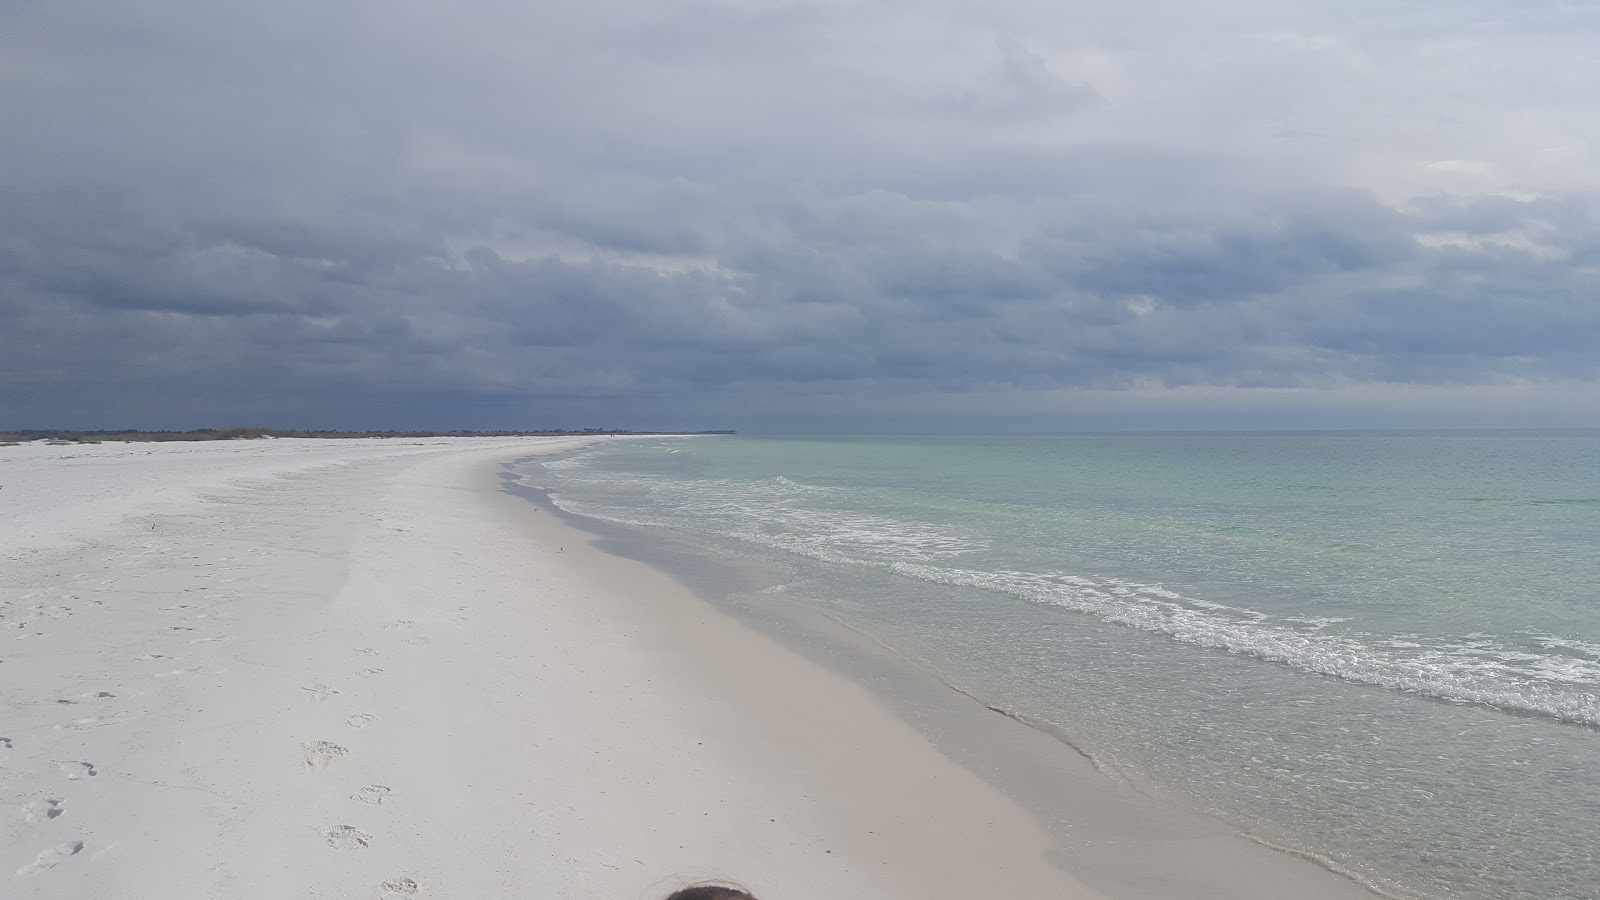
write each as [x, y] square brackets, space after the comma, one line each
[1531, 672]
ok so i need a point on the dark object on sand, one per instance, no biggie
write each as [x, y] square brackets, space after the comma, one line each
[711, 892]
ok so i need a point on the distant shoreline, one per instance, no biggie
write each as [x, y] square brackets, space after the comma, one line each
[235, 434]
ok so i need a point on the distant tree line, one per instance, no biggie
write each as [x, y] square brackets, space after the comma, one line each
[239, 434]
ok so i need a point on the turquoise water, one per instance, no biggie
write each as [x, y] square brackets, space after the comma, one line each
[1383, 648]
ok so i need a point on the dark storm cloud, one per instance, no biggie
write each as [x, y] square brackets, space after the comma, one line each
[754, 212]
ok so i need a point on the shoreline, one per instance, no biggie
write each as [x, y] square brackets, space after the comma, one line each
[1036, 765]
[901, 812]
[370, 671]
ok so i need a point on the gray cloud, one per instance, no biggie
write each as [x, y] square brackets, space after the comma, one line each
[793, 215]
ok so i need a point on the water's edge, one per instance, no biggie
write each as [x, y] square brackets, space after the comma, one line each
[1038, 765]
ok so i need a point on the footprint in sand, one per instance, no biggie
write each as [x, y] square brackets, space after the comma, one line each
[361, 720]
[48, 859]
[370, 673]
[41, 810]
[83, 723]
[88, 697]
[75, 770]
[419, 640]
[319, 691]
[321, 754]
[368, 651]
[5, 743]
[402, 887]
[346, 837]
[372, 793]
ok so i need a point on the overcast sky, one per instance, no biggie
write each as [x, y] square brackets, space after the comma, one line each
[843, 215]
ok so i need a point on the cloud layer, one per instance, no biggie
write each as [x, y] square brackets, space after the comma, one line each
[790, 215]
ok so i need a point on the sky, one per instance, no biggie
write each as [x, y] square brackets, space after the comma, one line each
[846, 215]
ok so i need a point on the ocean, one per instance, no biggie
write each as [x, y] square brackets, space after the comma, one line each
[1381, 648]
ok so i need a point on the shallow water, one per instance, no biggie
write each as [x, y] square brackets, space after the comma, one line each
[1380, 647]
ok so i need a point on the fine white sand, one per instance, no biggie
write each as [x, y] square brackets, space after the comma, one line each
[356, 669]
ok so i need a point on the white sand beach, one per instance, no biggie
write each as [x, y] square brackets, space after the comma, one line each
[347, 669]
